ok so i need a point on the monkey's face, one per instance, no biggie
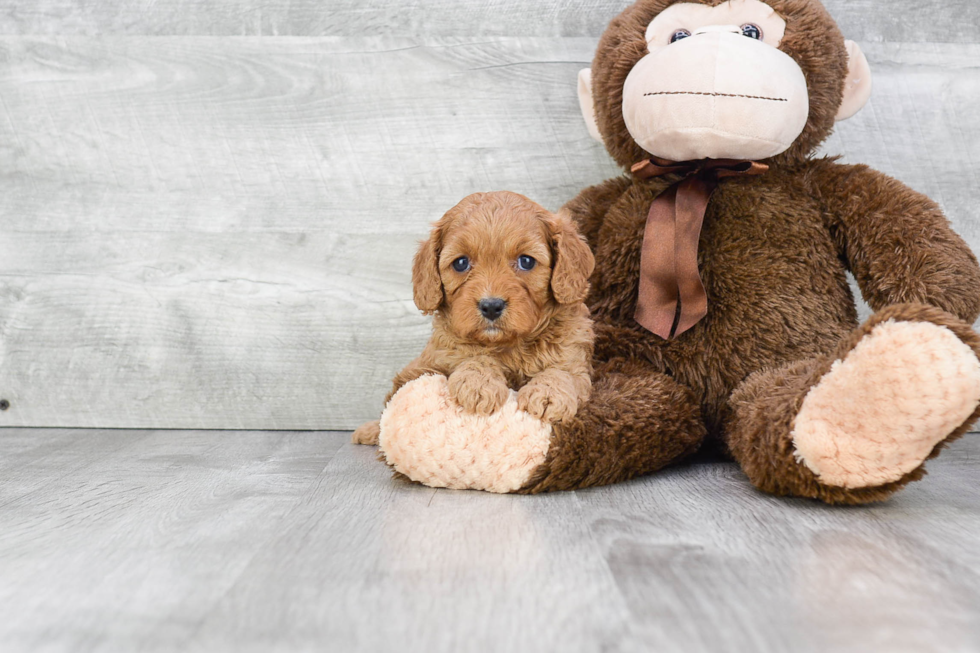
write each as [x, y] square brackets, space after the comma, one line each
[715, 84]
[722, 79]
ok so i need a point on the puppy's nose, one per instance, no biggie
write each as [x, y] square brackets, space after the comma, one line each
[492, 307]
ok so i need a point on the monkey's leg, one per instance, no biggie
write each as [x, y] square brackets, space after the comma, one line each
[636, 422]
[857, 425]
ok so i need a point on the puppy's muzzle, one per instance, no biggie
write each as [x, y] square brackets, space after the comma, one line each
[492, 307]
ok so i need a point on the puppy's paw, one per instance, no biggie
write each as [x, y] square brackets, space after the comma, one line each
[547, 403]
[478, 392]
[367, 433]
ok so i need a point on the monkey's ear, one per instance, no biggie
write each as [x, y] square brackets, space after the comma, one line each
[586, 104]
[573, 263]
[857, 84]
[426, 282]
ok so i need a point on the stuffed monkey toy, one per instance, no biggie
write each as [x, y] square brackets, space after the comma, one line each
[722, 309]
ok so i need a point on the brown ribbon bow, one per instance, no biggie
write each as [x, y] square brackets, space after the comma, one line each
[672, 297]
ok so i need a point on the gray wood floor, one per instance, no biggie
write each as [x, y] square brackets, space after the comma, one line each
[267, 541]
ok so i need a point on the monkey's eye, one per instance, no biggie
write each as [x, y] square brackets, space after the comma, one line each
[752, 31]
[462, 264]
[679, 34]
[525, 262]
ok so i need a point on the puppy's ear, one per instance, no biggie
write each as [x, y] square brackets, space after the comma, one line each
[426, 282]
[573, 261]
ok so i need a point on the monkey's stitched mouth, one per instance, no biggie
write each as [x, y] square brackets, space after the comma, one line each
[750, 97]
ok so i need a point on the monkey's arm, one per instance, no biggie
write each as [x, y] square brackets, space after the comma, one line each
[896, 242]
[589, 207]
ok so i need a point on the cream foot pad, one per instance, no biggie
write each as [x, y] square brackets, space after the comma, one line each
[878, 413]
[431, 440]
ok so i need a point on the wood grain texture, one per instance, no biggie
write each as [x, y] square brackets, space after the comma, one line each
[129, 538]
[936, 21]
[217, 233]
[456, 571]
[362, 136]
[206, 330]
[244, 541]
[708, 564]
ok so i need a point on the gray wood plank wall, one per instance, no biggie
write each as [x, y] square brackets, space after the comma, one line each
[208, 210]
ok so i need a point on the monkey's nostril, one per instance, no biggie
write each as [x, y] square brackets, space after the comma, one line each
[492, 307]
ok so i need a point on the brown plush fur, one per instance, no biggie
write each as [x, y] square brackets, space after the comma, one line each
[774, 253]
[542, 342]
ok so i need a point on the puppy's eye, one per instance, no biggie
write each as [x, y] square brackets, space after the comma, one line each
[679, 34]
[525, 262]
[752, 31]
[462, 264]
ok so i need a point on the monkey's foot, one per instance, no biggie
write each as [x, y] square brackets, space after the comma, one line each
[880, 412]
[431, 440]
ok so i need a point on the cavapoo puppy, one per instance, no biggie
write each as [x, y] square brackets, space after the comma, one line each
[506, 281]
